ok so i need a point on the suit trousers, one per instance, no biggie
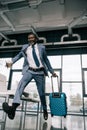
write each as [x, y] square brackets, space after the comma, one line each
[40, 83]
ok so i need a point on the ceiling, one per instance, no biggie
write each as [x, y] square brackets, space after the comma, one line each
[17, 16]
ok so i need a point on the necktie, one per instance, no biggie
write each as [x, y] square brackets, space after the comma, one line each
[35, 57]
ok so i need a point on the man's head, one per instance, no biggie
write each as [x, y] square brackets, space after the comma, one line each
[32, 39]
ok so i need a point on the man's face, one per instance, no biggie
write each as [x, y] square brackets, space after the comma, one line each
[31, 39]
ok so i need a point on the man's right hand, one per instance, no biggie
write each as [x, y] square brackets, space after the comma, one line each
[8, 65]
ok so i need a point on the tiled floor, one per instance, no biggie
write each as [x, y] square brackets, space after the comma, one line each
[53, 123]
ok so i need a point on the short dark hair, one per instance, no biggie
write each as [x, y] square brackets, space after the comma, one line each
[31, 33]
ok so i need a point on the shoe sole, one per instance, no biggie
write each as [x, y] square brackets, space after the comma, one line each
[5, 107]
[11, 116]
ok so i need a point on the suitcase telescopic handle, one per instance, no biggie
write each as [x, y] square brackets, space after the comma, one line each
[57, 83]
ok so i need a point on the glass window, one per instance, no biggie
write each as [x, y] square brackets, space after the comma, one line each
[55, 61]
[18, 64]
[48, 85]
[4, 77]
[85, 106]
[16, 76]
[84, 61]
[3, 69]
[85, 81]
[74, 96]
[71, 68]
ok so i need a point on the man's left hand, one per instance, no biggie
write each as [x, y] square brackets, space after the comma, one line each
[54, 75]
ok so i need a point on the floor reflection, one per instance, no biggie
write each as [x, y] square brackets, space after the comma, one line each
[53, 123]
[68, 123]
[45, 126]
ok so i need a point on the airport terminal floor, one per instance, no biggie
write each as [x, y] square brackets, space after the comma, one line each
[71, 122]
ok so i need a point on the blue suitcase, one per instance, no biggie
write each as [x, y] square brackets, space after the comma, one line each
[58, 104]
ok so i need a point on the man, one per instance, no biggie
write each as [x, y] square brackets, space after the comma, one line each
[35, 67]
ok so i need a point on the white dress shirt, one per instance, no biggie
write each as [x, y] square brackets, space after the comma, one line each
[30, 57]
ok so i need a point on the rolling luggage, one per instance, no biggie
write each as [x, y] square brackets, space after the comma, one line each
[58, 104]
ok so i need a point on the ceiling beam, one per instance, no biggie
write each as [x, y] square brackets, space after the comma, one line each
[76, 20]
[6, 19]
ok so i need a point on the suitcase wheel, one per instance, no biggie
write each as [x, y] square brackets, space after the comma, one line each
[51, 115]
[65, 116]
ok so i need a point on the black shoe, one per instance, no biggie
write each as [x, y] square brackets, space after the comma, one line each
[45, 114]
[11, 115]
[9, 110]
